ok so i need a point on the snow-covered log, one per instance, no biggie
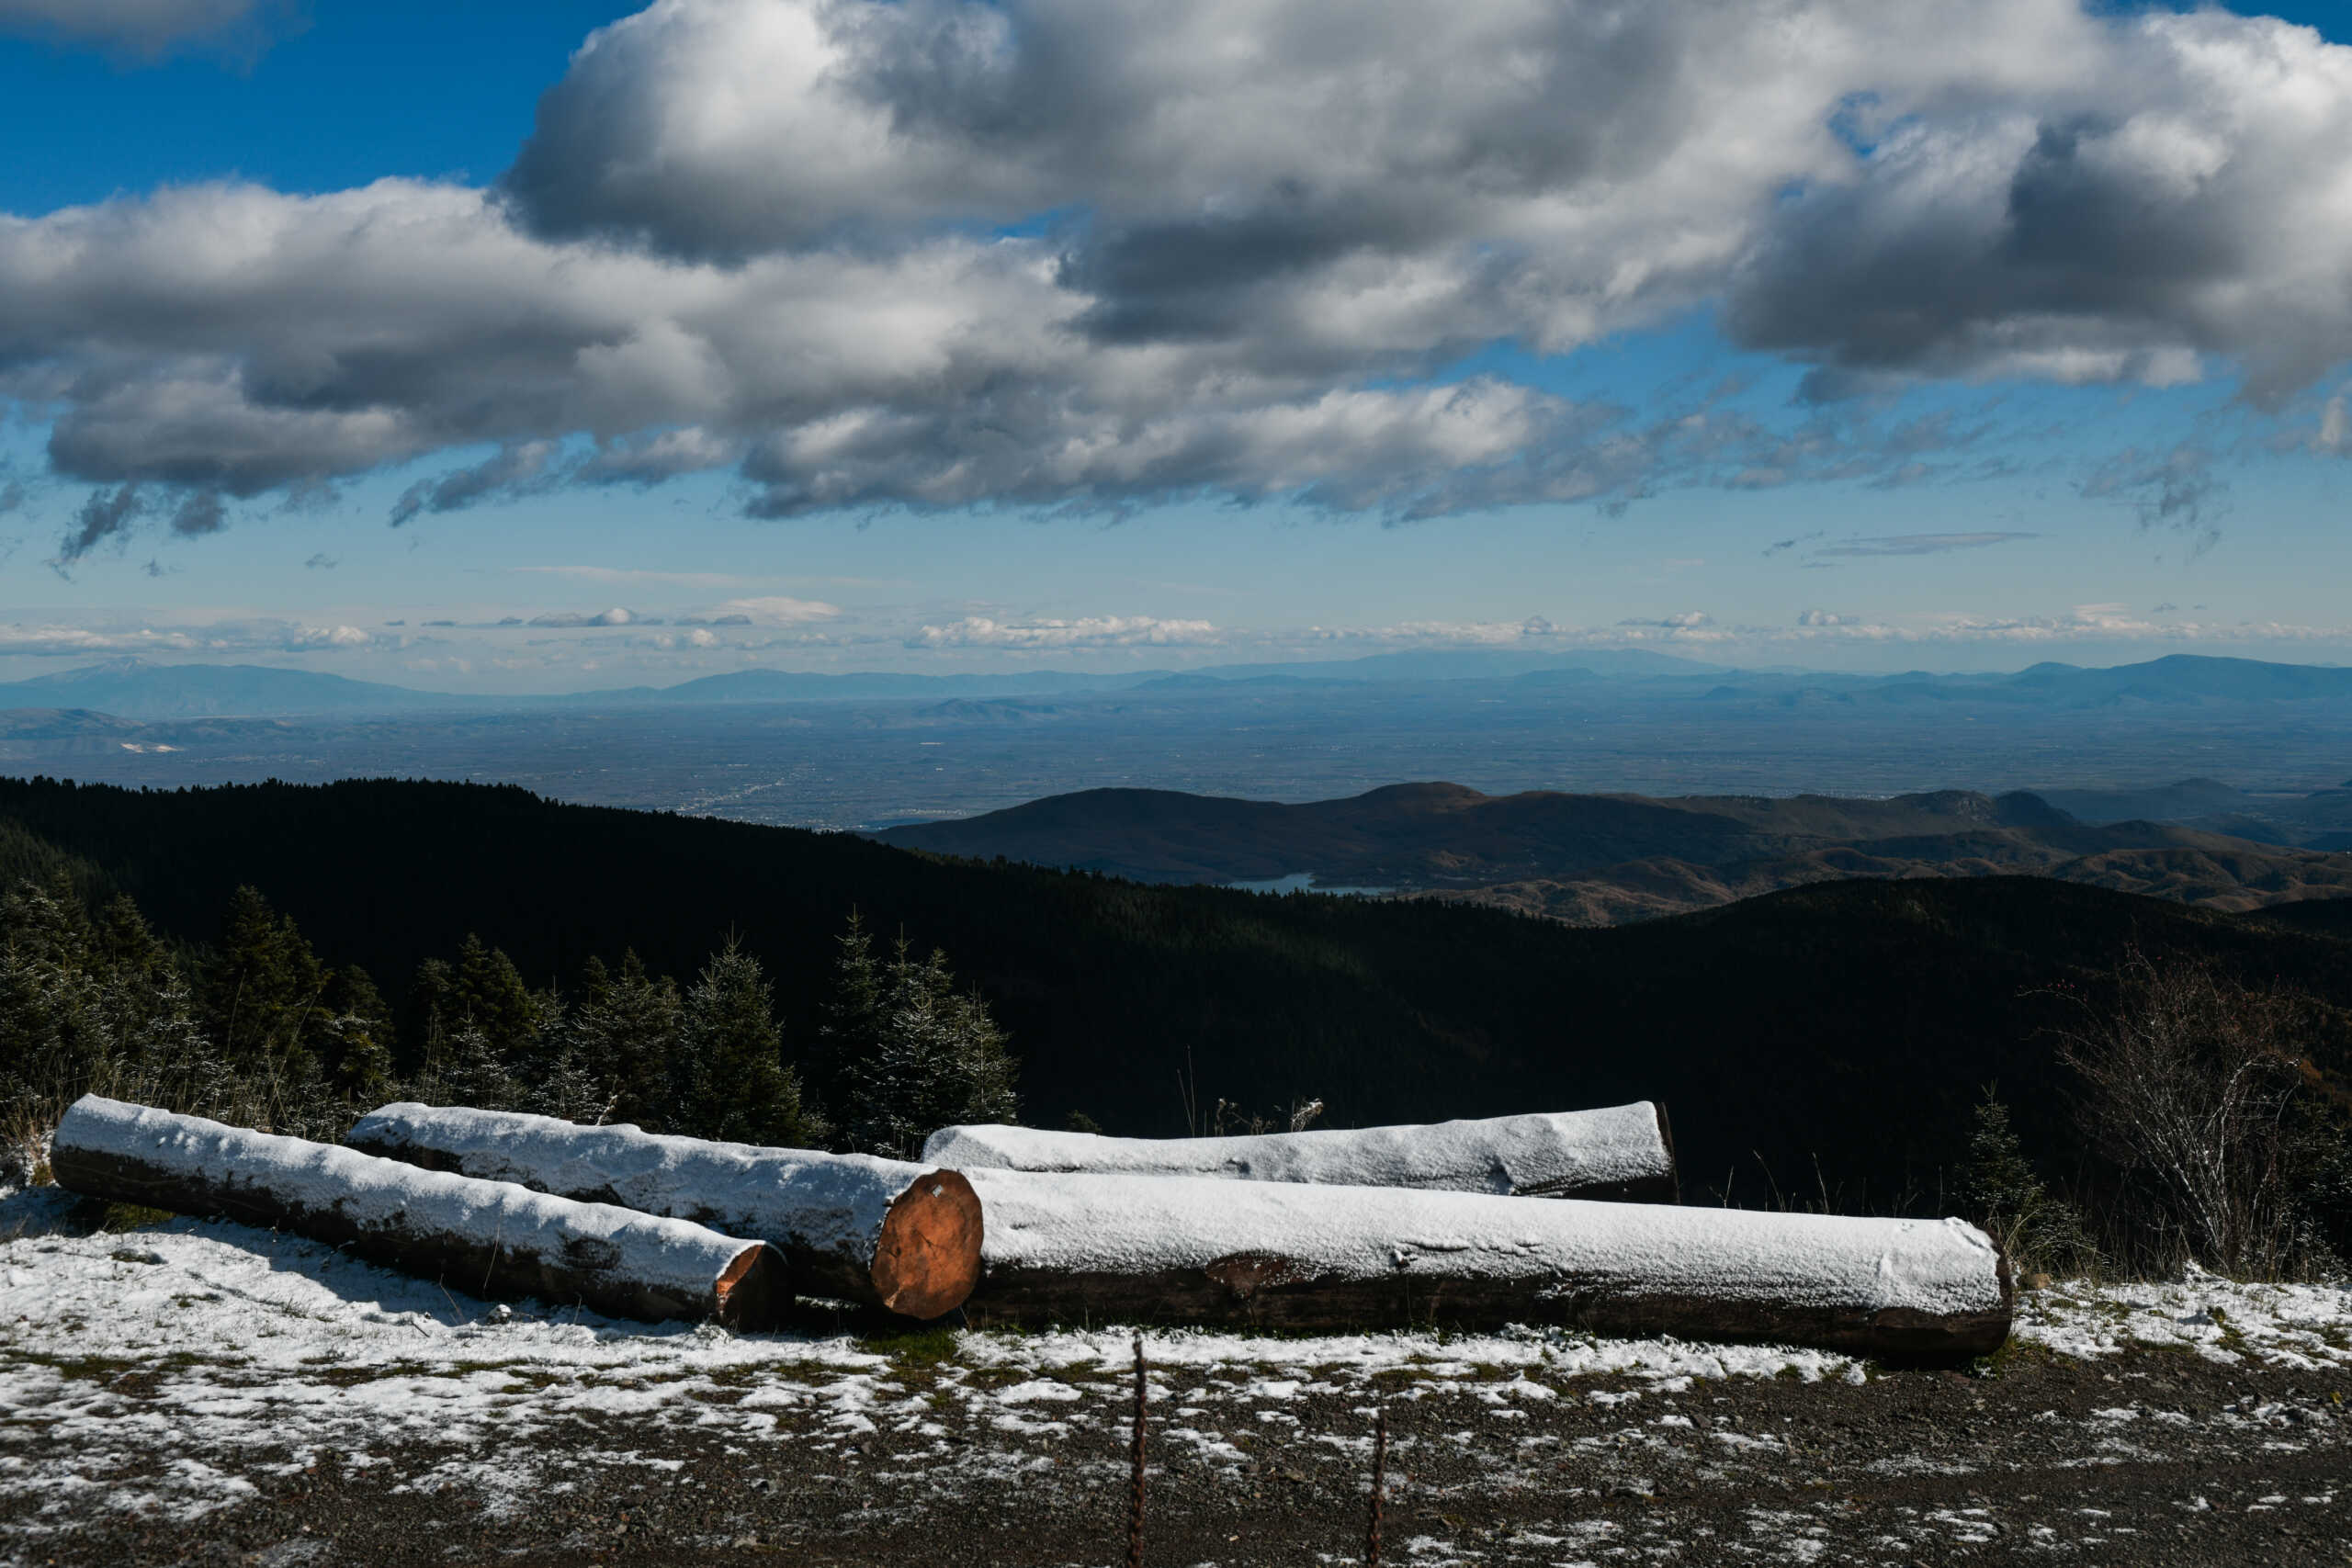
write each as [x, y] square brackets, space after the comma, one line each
[879, 1232]
[1624, 1152]
[486, 1237]
[1064, 1248]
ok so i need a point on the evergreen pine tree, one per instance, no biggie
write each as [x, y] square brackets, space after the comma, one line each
[851, 1030]
[432, 1009]
[260, 995]
[2002, 1194]
[489, 990]
[357, 1052]
[481, 1029]
[736, 1085]
[940, 1060]
[558, 1080]
[176, 1065]
[623, 1037]
[54, 1033]
[471, 1072]
[128, 944]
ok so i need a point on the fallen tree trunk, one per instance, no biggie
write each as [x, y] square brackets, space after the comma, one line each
[1624, 1152]
[877, 1231]
[1114, 1249]
[490, 1238]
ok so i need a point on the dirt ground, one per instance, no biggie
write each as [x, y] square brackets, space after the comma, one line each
[2148, 1457]
[204, 1393]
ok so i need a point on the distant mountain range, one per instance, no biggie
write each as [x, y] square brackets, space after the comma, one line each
[1603, 859]
[2177, 679]
[135, 689]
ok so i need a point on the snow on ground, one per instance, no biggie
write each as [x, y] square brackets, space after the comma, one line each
[2302, 1326]
[150, 1372]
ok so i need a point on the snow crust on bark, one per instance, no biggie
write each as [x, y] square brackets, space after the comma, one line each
[795, 1198]
[1137, 1225]
[323, 1181]
[1546, 1154]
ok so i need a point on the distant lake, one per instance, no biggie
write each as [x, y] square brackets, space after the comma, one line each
[1304, 882]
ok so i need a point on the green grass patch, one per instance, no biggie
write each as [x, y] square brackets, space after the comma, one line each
[2015, 1355]
[916, 1349]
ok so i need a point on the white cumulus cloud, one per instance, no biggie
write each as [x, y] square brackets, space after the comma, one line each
[1104, 253]
[1090, 631]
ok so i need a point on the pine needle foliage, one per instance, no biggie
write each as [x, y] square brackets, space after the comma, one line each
[937, 1057]
[2037, 1231]
[737, 1087]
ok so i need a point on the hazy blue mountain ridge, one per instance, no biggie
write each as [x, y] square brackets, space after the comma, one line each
[137, 689]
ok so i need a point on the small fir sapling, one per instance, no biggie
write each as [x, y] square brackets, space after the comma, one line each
[2038, 1233]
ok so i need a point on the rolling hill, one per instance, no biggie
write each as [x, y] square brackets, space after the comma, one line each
[1601, 860]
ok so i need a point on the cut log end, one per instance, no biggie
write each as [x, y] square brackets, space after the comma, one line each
[751, 1291]
[928, 1259]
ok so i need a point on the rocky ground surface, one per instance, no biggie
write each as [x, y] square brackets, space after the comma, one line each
[207, 1394]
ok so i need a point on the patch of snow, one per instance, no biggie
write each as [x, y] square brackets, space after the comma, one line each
[1038, 1389]
[130, 1386]
[789, 1197]
[1150, 1224]
[1532, 1154]
[308, 1185]
[2302, 1326]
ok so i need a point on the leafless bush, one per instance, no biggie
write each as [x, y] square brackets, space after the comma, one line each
[2189, 1081]
[1232, 1118]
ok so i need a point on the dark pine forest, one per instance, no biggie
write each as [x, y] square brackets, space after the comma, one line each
[1829, 1045]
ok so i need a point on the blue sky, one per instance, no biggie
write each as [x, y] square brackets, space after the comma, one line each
[1531, 419]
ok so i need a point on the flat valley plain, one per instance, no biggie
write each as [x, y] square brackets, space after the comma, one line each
[871, 764]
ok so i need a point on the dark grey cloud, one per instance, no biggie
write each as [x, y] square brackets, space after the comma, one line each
[1919, 544]
[2115, 230]
[2175, 488]
[514, 469]
[1100, 253]
[321, 561]
[107, 514]
[199, 513]
[615, 616]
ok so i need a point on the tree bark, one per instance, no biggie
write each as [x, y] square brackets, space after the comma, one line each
[1176, 1249]
[489, 1238]
[880, 1232]
[1625, 1153]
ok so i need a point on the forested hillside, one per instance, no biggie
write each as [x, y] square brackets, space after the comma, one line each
[1598, 860]
[1830, 1039]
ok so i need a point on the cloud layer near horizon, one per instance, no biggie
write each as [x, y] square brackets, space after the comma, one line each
[1100, 253]
[569, 644]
